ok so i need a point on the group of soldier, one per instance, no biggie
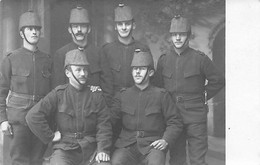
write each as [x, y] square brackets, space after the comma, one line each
[108, 105]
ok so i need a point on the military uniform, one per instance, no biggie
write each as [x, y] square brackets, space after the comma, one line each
[26, 75]
[184, 76]
[24, 79]
[96, 70]
[81, 117]
[119, 58]
[99, 70]
[148, 114]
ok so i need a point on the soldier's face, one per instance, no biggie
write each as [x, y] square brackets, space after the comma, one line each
[179, 39]
[124, 29]
[79, 31]
[32, 34]
[80, 73]
[139, 74]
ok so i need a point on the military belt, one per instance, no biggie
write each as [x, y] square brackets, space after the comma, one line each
[143, 134]
[76, 135]
[180, 98]
[35, 98]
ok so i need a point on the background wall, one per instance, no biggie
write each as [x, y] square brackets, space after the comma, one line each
[153, 21]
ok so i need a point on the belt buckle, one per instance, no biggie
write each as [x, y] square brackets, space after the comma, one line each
[78, 135]
[140, 134]
[179, 99]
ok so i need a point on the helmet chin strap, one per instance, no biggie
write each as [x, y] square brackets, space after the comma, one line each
[76, 79]
[189, 33]
[146, 74]
[74, 34]
[27, 39]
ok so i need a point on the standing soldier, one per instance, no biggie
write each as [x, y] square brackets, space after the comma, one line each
[79, 30]
[25, 75]
[184, 72]
[149, 117]
[120, 52]
[80, 115]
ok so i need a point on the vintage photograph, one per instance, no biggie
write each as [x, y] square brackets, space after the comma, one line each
[113, 82]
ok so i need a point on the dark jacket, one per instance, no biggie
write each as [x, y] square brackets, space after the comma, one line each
[27, 76]
[147, 115]
[76, 111]
[185, 76]
[99, 69]
[119, 58]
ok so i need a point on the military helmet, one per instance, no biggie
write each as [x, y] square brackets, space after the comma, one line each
[123, 13]
[29, 18]
[75, 57]
[79, 15]
[180, 24]
[142, 58]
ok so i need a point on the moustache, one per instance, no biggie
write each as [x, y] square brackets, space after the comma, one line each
[79, 34]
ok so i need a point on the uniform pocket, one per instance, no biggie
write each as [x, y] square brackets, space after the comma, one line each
[20, 75]
[194, 104]
[116, 67]
[46, 73]
[129, 110]
[64, 109]
[191, 73]
[167, 73]
[15, 102]
[153, 110]
[90, 112]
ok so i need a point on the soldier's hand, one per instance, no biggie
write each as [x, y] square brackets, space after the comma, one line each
[57, 136]
[95, 88]
[102, 157]
[160, 144]
[6, 128]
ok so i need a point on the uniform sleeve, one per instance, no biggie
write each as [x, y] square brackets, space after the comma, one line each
[40, 115]
[115, 110]
[106, 80]
[58, 75]
[104, 128]
[174, 124]
[5, 80]
[157, 79]
[216, 80]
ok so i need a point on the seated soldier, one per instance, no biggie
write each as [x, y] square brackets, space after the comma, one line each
[150, 121]
[82, 119]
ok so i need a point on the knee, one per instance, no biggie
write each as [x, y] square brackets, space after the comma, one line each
[116, 160]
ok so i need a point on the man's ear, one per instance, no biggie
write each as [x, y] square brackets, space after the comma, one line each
[21, 34]
[134, 26]
[151, 73]
[89, 29]
[67, 73]
[69, 30]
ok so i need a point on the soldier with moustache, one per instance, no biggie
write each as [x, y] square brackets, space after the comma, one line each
[150, 121]
[83, 127]
[79, 29]
[25, 78]
[191, 78]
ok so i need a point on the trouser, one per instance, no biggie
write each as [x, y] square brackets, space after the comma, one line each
[132, 156]
[195, 136]
[25, 147]
[71, 157]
